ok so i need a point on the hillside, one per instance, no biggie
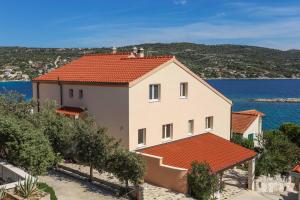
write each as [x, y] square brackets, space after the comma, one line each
[209, 61]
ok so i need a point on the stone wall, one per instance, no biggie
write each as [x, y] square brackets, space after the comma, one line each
[274, 185]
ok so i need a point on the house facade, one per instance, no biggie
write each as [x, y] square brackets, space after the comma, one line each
[164, 103]
[248, 124]
[156, 106]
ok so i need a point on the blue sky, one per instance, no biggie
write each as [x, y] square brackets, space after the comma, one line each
[98, 23]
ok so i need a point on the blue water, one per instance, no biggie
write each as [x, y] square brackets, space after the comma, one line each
[240, 92]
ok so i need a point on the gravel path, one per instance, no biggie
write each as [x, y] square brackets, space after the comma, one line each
[67, 187]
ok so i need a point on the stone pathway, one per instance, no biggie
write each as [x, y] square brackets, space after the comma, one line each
[235, 183]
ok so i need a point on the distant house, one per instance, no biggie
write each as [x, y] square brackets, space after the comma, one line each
[296, 173]
[248, 124]
[155, 105]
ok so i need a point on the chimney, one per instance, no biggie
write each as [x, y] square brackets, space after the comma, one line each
[141, 53]
[134, 50]
[114, 50]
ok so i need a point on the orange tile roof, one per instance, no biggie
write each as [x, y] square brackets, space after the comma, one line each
[220, 153]
[243, 119]
[105, 68]
[297, 168]
[67, 110]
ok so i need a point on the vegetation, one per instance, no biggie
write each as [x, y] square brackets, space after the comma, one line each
[238, 139]
[36, 141]
[279, 154]
[28, 188]
[202, 182]
[46, 188]
[209, 61]
[2, 193]
[127, 167]
[292, 131]
[93, 147]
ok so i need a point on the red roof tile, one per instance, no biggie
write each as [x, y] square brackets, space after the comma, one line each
[105, 68]
[297, 168]
[69, 110]
[243, 119]
[220, 153]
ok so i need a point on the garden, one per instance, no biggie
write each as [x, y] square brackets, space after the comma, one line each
[39, 141]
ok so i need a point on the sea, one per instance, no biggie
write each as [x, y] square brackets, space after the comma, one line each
[241, 92]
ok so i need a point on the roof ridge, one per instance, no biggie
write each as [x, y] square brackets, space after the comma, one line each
[241, 113]
[148, 57]
[108, 54]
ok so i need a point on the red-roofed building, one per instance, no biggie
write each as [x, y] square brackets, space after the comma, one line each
[248, 124]
[155, 105]
[296, 173]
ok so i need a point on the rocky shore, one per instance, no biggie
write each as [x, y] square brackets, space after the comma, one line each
[282, 100]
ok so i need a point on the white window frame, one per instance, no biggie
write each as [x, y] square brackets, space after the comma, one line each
[191, 127]
[164, 132]
[71, 93]
[80, 94]
[183, 88]
[207, 123]
[144, 137]
[152, 92]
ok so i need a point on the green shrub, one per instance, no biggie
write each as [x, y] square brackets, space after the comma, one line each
[28, 188]
[238, 139]
[46, 188]
[202, 182]
[2, 193]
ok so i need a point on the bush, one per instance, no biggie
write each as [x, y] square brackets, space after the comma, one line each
[202, 182]
[238, 139]
[46, 188]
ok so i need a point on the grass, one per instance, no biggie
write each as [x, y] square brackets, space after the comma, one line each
[46, 188]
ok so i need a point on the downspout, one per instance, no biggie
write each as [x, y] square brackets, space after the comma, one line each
[38, 96]
[60, 92]
[230, 122]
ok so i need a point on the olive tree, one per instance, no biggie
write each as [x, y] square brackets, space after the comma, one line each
[92, 146]
[127, 167]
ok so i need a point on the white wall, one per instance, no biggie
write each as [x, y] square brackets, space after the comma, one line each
[201, 102]
[254, 128]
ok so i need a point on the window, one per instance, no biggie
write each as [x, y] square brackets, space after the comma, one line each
[191, 127]
[80, 94]
[154, 92]
[141, 137]
[209, 122]
[251, 137]
[167, 131]
[183, 90]
[71, 93]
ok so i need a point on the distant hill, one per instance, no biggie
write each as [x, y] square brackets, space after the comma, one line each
[209, 61]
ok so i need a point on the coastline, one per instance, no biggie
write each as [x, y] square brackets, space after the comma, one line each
[4, 81]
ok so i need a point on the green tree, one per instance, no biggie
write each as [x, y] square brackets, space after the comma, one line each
[292, 131]
[279, 154]
[23, 145]
[202, 182]
[59, 129]
[127, 167]
[92, 146]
